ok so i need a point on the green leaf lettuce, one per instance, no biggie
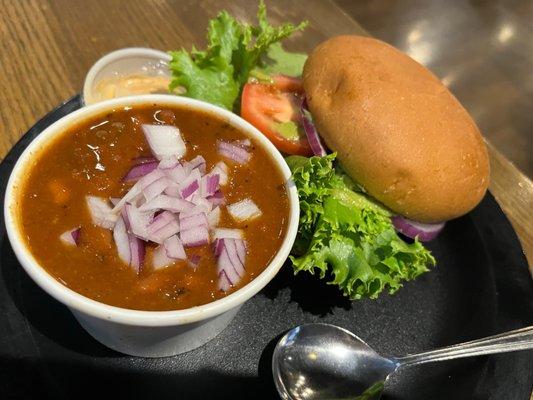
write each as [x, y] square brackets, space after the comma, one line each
[348, 236]
[217, 74]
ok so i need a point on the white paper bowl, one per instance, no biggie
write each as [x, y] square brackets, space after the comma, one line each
[144, 333]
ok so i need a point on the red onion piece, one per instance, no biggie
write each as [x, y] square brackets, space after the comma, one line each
[136, 222]
[177, 174]
[226, 233]
[168, 203]
[197, 162]
[71, 237]
[224, 283]
[155, 188]
[190, 184]
[101, 212]
[413, 229]
[230, 261]
[244, 210]
[174, 248]
[190, 189]
[213, 218]
[162, 227]
[210, 185]
[138, 171]
[197, 236]
[217, 198]
[221, 169]
[138, 252]
[194, 261]
[160, 259]
[137, 189]
[243, 143]
[312, 135]
[192, 221]
[122, 243]
[164, 141]
[232, 152]
[169, 163]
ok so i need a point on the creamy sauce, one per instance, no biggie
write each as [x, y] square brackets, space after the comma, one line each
[129, 85]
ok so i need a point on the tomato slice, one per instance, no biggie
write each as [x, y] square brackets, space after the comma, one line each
[274, 109]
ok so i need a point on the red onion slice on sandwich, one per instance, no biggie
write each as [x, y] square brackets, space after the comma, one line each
[310, 131]
[424, 232]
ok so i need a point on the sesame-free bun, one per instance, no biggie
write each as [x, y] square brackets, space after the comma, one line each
[396, 128]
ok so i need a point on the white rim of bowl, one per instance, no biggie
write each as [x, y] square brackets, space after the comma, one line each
[125, 316]
[117, 55]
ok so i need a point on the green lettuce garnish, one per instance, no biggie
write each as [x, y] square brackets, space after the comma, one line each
[277, 60]
[217, 74]
[346, 234]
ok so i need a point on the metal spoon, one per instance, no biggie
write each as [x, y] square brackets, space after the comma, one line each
[322, 361]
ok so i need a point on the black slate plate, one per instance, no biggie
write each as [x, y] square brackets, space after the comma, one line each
[480, 286]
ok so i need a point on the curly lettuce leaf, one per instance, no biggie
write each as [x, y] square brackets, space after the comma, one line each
[277, 60]
[347, 235]
[218, 73]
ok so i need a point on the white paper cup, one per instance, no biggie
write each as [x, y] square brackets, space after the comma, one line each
[144, 333]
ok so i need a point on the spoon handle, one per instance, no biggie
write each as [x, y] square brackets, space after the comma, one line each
[520, 339]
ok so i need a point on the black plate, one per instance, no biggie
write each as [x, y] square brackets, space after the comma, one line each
[480, 286]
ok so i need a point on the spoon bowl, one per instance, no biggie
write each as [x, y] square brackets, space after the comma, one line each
[309, 358]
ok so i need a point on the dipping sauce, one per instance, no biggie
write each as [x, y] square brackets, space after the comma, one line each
[92, 159]
[129, 85]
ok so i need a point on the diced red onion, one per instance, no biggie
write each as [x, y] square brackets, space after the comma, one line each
[190, 189]
[154, 189]
[224, 283]
[164, 141]
[178, 174]
[221, 169]
[160, 259]
[201, 207]
[231, 248]
[244, 143]
[231, 254]
[162, 227]
[244, 210]
[226, 233]
[137, 189]
[71, 237]
[138, 252]
[192, 221]
[197, 162]
[173, 190]
[413, 229]
[174, 248]
[188, 186]
[310, 131]
[138, 171]
[164, 202]
[169, 162]
[136, 222]
[210, 185]
[197, 236]
[217, 198]
[194, 261]
[101, 212]
[122, 243]
[232, 152]
[213, 218]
